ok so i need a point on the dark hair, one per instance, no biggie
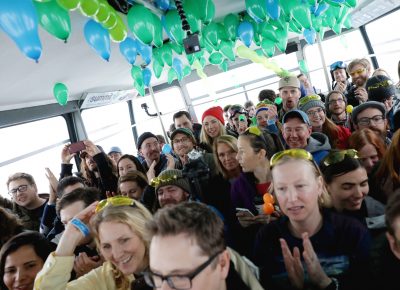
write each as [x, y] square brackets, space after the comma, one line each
[347, 165]
[39, 243]
[194, 219]
[180, 114]
[89, 176]
[300, 75]
[20, 175]
[135, 160]
[226, 108]
[248, 104]
[160, 138]
[10, 225]
[68, 181]
[135, 176]
[267, 141]
[392, 211]
[86, 194]
[266, 94]
[328, 113]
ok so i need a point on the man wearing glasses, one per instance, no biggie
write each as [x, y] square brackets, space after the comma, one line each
[371, 115]
[335, 104]
[197, 257]
[26, 203]
[359, 70]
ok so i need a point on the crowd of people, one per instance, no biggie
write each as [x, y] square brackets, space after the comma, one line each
[300, 191]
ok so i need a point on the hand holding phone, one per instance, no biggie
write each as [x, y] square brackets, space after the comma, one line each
[76, 147]
[244, 210]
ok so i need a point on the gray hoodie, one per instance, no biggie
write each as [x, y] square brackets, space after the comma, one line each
[318, 145]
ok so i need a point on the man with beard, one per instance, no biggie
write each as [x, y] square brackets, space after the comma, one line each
[26, 202]
[371, 115]
[336, 108]
[359, 70]
[154, 162]
[289, 91]
[183, 141]
[171, 187]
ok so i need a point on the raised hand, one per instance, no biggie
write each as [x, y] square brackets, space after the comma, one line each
[65, 155]
[293, 265]
[53, 183]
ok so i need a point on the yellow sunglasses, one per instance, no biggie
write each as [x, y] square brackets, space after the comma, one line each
[338, 156]
[118, 200]
[294, 153]
[357, 72]
[305, 100]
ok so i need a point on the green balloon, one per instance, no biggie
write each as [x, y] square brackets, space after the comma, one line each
[54, 19]
[176, 47]
[171, 75]
[351, 3]
[268, 47]
[192, 18]
[89, 8]
[191, 58]
[202, 61]
[257, 8]
[287, 6]
[141, 23]
[282, 35]
[216, 58]
[111, 21]
[303, 15]
[231, 23]
[137, 76]
[316, 23]
[166, 54]
[210, 33]
[157, 68]
[347, 22]
[330, 19]
[139, 88]
[173, 25]
[203, 10]
[157, 31]
[222, 33]
[60, 92]
[226, 48]
[303, 66]
[186, 71]
[119, 32]
[224, 65]
[69, 4]
[294, 26]
[102, 13]
[268, 31]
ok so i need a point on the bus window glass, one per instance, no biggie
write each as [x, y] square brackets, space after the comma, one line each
[109, 126]
[169, 101]
[344, 47]
[386, 45]
[32, 147]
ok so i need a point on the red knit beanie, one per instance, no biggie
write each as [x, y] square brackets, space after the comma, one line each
[216, 112]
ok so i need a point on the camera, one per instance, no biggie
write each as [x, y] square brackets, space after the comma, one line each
[192, 43]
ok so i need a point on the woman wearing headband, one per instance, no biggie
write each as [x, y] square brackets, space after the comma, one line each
[118, 226]
[310, 247]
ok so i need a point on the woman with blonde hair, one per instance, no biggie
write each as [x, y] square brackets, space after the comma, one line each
[371, 147]
[224, 151]
[310, 247]
[118, 227]
[213, 125]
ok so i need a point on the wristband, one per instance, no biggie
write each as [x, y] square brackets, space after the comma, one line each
[334, 285]
[80, 226]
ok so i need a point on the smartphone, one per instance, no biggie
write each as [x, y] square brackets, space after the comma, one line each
[240, 209]
[76, 147]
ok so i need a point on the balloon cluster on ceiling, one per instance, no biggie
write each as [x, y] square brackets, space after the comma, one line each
[265, 24]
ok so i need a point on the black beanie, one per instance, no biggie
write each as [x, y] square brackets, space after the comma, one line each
[143, 137]
[380, 88]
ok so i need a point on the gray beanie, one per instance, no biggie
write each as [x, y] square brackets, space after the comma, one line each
[370, 104]
[309, 102]
[171, 177]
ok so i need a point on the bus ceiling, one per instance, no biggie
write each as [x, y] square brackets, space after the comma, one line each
[26, 83]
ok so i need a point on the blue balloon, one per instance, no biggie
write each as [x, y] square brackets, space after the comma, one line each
[177, 65]
[128, 49]
[322, 7]
[145, 51]
[245, 32]
[98, 38]
[273, 9]
[146, 73]
[310, 35]
[163, 4]
[166, 149]
[19, 21]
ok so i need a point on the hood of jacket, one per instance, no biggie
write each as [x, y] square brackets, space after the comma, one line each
[317, 142]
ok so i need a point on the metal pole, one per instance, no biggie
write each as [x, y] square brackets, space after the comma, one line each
[321, 53]
[158, 113]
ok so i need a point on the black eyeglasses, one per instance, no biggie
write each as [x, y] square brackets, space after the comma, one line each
[378, 119]
[177, 282]
[337, 64]
[21, 188]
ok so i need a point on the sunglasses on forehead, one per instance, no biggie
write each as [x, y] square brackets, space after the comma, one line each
[118, 200]
[294, 153]
[335, 157]
[337, 65]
